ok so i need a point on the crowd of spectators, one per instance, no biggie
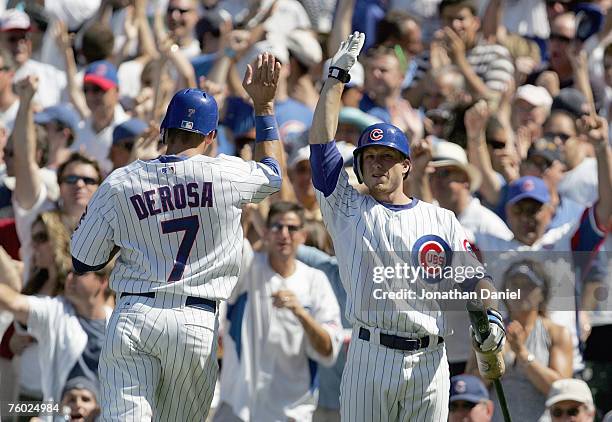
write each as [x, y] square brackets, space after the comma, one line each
[495, 97]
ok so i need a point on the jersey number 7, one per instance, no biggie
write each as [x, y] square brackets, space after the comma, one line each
[190, 225]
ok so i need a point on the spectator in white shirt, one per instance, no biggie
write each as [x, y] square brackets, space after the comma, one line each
[9, 102]
[15, 36]
[101, 88]
[283, 321]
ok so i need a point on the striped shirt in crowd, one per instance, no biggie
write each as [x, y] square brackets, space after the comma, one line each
[491, 62]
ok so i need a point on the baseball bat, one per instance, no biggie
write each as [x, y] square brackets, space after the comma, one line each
[482, 329]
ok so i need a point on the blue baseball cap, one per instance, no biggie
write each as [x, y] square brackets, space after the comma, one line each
[102, 73]
[128, 129]
[528, 187]
[63, 114]
[467, 388]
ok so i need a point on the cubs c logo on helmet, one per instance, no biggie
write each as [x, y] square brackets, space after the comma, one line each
[376, 134]
[432, 254]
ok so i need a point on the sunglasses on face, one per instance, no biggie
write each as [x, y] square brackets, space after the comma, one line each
[92, 89]
[14, 39]
[171, 10]
[73, 179]
[496, 144]
[40, 237]
[559, 413]
[562, 38]
[278, 227]
[552, 135]
[456, 406]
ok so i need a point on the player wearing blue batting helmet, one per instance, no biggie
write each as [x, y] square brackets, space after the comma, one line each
[191, 110]
[379, 134]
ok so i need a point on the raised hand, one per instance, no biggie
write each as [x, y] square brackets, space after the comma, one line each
[347, 53]
[475, 118]
[261, 80]
[454, 45]
[595, 128]
[26, 87]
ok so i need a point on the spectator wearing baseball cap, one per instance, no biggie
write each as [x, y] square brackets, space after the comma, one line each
[80, 399]
[530, 108]
[15, 37]
[101, 88]
[570, 398]
[469, 400]
[124, 137]
[545, 159]
[61, 123]
[304, 53]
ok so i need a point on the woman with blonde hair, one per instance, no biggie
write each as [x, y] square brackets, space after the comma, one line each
[51, 264]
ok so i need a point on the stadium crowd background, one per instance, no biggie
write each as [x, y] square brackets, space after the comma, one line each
[490, 93]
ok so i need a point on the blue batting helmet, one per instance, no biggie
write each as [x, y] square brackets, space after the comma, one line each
[192, 110]
[381, 134]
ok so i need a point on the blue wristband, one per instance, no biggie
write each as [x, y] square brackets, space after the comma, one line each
[265, 128]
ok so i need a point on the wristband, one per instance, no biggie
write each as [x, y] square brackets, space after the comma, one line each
[340, 74]
[265, 128]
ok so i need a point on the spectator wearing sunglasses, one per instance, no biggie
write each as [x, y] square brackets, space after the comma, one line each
[469, 400]
[570, 400]
[181, 19]
[283, 320]
[562, 34]
[101, 88]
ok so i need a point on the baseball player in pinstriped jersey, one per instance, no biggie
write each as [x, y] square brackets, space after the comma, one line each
[396, 368]
[176, 222]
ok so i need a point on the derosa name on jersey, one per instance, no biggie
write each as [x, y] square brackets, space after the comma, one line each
[172, 197]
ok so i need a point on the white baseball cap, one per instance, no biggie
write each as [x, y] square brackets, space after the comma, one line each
[304, 47]
[444, 154]
[569, 389]
[14, 19]
[537, 96]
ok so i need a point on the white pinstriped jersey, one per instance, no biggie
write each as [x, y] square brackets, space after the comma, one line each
[177, 222]
[368, 234]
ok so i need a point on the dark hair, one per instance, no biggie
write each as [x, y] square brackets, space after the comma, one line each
[566, 113]
[98, 42]
[608, 50]
[77, 157]
[391, 27]
[284, 207]
[182, 136]
[207, 25]
[538, 269]
[59, 239]
[470, 4]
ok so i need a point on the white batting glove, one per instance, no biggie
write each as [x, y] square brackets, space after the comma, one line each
[497, 337]
[346, 56]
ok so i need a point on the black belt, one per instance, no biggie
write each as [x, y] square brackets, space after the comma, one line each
[397, 342]
[194, 302]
